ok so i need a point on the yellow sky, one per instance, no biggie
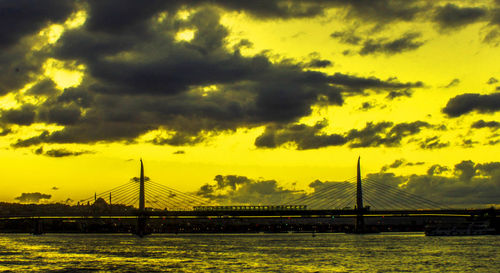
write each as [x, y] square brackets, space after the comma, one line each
[459, 54]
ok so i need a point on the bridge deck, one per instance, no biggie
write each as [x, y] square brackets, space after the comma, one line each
[269, 213]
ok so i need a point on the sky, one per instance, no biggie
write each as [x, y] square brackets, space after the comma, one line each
[242, 100]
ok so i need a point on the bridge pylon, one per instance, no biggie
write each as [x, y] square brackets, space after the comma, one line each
[142, 216]
[360, 221]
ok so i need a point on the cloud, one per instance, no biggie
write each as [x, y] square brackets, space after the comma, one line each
[318, 63]
[437, 169]
[396, 94]
[45, 87]
[178, 139]
[25, 115]
[347, 37]
[379, 12]
[399, 163]
[129, 89]
[492, 81]
[379, 134]
[241, 190]
[385, 11]
[21, 18]
[355, 84]
[453, 83]
[451, 16]
[59, 153]
[123, 98]
[407, 42]
[64, 153]
[493, 125]
[468, 102]
[468, 143]
[470, 185]
[304, 136]
[433, 143]
[365, 106]
[33, 197]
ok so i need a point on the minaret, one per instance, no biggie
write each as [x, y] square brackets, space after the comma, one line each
[141, 189]
[360, 223]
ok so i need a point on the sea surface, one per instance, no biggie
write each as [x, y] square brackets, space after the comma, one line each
[386, 252]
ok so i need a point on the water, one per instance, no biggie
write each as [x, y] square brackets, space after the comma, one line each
[392, 252]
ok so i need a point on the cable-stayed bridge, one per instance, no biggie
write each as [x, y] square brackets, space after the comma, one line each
[358, 198]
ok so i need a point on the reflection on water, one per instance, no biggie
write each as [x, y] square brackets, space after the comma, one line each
[248, 252]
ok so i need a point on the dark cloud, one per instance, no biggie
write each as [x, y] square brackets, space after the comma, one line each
[38, 151]
[471, 184]
[468, 102]
[451, 16]
[5, 131]
[359, 84]
[380, 12]
[32, 197]
[492, 37]
[347, 37]
[433, 143]
[399, 163]
[64, 153]
[234, 189]
[468, 143]
[22, 116]
[396, 163]
[123, 98]
[371, 135]
[493, 125]
[59, 153]
[365, 106]
[385, 11]
[453, 83]
[407, 42]
[45, 87]
[63, 115]
[492, 81]
[303, 136]
[318, 63]
[140, 78]
[437, 169]
[178, 139]
[19, 66]
[414, 163]
[493, 142]
[379, 134]
[388, 46]
[21, 17]
[396, 94]
[465, 170]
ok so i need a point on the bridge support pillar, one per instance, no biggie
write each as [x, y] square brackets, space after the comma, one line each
[141, 229]
[37, 226]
